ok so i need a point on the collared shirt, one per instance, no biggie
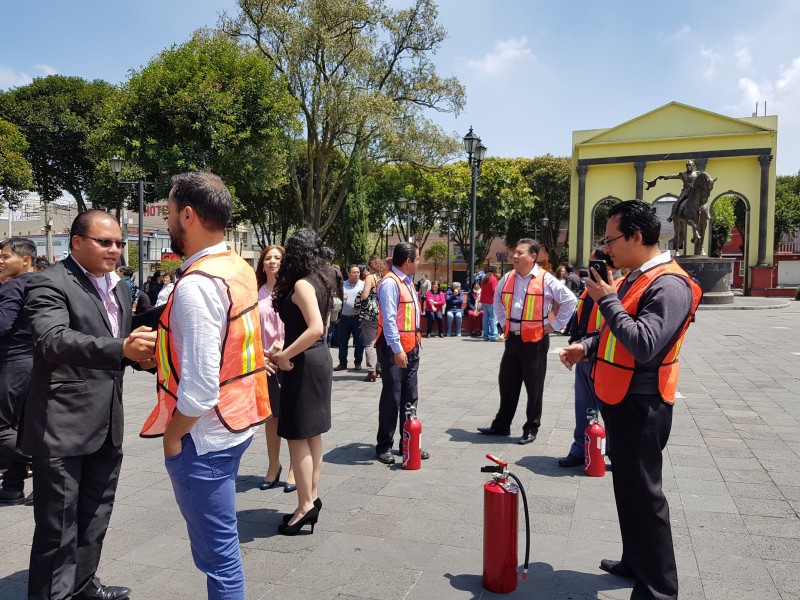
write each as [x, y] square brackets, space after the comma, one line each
[105, 285]
[555, 292]
[388, 299]
[661, 259]
[198, 321]
[352, 291]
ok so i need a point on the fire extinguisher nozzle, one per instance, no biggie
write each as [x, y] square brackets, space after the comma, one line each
[524, 574]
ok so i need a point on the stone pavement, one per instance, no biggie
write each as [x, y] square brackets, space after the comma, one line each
[730, 473]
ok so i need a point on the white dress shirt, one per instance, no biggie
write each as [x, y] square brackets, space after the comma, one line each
[554, 292]
[198, 321]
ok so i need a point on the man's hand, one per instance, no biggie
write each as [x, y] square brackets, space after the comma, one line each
[548, 328]
[597, 287]
[401, 360]
[140, 344]
[172, 447]
[147, 364]
[571, 355]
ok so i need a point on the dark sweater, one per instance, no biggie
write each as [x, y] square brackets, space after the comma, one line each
[16, 340]
[649, 336]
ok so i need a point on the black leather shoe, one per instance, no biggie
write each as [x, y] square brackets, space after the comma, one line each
[526, 438]
[570, 460]
[615, 567]
[424, 455]
[12, 497]
[386, 458]
[111, 592]
[491, 431]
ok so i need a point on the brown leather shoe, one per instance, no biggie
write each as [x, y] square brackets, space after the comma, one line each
[340, 368]
[371, 376]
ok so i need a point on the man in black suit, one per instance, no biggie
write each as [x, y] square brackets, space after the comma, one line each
[72, 416]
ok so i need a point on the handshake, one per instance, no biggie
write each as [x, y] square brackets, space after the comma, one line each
[140, 347]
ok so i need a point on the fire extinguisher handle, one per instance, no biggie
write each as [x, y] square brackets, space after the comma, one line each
[492, 469]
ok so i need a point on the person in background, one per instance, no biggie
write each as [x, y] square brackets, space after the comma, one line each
[303, 297]
[349, 322]
[454, 308]
[561, 273]
[573, 281]
[338, 298]
[40, 265]
[434, 309]
[16, 361]
[272, 335]
[488, 287]
[154, 288]
[369, 315]
[475, 309]
[166, 289]
[126, 275]
[424, 286]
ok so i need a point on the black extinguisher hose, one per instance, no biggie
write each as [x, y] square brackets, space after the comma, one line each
[527, 526]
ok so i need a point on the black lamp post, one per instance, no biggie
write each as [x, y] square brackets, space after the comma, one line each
[475, 154]
[408, 207]
[116, 163]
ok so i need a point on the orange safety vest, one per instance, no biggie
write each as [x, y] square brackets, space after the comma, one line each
[243, 395]
[614, 366]
[407, 314]
[595, 316]
[533, 314]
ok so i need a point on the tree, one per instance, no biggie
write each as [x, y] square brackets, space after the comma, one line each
[56, 114]
[549, 180]
[133, 256]
[437, 254]
[210, 105]
[787, 205]
[724, 220]
[362, 76]
[15, 170]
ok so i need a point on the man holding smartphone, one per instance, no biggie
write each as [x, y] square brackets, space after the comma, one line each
[635, 374]
[523, 299]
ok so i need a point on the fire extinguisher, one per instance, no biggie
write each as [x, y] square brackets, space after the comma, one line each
[594, 445]
[500, 517]
[412, 439]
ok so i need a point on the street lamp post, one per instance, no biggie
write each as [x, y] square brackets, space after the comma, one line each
[116, 163]
[475, 153]
[408, 207]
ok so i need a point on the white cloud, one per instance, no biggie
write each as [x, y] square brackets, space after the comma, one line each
[710, 61]
[676, 35]
[506, 52]
[743, 58]
[10, 78]
[46, 69]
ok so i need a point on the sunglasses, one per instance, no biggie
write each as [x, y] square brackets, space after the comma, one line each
[105, 243]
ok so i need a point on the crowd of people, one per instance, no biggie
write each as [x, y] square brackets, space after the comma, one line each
[233, 347]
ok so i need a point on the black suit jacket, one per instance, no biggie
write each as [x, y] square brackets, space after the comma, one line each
[76, 386]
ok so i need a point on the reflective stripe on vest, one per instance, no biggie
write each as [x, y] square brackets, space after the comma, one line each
[243, 396]
[533, 314]
[407, 311]
[614, 366]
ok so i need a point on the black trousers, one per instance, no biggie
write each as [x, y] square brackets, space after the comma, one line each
[640, 427]
[522, 362]
[72, 501]
[399, 389]
[15, 379]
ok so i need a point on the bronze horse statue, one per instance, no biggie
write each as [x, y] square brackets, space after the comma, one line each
[691, 208]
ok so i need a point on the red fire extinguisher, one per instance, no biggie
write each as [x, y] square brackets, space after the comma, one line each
[412, 439]
[500, 518]
[594, 445]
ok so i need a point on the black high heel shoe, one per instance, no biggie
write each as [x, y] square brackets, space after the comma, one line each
[270, 484]
[310, 517]
[317, 504]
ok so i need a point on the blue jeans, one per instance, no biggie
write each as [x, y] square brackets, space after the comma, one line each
[584, 400]
[452, 315]
[350, 326]
[205, 489]
[489, 322]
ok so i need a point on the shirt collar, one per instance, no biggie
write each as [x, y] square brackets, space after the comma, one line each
[403, 277]
[111, 277]
[661, 259]
[215, 249]
[534, 271]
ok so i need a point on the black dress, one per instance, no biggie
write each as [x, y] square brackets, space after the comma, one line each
[306, 389]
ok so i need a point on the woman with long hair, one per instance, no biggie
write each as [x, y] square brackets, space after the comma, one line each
[369, 315]
[303, 297]
[272, 339]
[434, 309]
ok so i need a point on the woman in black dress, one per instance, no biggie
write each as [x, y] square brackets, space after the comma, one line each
[302, 297]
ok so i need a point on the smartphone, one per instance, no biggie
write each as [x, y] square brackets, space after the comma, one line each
[601, 267]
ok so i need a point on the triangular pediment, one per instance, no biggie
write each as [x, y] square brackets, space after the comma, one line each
[674, 120]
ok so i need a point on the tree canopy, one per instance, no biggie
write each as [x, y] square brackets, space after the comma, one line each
[363, 79]
[15, 170]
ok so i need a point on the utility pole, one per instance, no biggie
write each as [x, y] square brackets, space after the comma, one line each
[48, 231]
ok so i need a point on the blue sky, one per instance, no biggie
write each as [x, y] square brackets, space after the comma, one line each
[534, 71]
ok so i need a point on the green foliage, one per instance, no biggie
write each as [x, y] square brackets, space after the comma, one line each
[723, 221]
[133, 256]
[437, 254]
[15, 170]
[355, 219]
[787, 205]
[361, 73]
[210, 105]
[797, 294]
[56, 114]
[168, 266]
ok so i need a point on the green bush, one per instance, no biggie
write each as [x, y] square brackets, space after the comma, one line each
[797, 293]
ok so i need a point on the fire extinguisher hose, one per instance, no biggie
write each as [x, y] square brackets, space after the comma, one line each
[527, 526]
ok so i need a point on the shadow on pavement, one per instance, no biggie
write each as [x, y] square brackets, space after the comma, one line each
[462, 435]
[354, 453]
[547, 465]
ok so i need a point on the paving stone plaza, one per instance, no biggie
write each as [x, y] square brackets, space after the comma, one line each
[731, 474]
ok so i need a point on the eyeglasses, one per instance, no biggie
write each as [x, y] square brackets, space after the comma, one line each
[105, 243]
[611, 241]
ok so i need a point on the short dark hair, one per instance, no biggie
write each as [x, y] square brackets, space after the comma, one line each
[350, 268]
[635, 215]
[20, 246]
[126, 271]
[402, 252]
[328, 253]
[492, 268]
[206, 194]
[81, 223]
[533, 245]
[41, 263]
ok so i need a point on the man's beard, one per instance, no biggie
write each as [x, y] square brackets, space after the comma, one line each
[176, 244]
